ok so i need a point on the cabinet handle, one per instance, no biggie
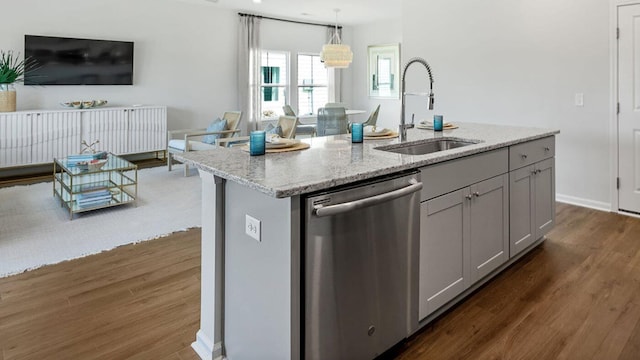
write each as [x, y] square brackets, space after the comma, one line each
[524, 156]
[468, 197]
[533, 172]
[476, 194]
[547, 148]
[538, 171]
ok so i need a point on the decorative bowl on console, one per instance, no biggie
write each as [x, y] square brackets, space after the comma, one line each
[86, 104]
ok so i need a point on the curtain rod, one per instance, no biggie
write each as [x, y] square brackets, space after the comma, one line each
[291, 21]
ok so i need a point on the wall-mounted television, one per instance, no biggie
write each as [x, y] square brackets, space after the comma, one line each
[70, 61]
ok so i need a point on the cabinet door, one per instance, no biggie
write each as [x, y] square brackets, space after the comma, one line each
[109, 127]
[15, 139]
[148, 129]
[55, 135]
[545, 197]
[444, 250]
[521, 209]
[489, 226]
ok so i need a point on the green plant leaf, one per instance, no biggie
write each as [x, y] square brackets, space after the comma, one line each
[12, 69]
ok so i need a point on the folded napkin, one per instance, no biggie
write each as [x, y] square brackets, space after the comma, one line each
[373, 130]
[273, 138]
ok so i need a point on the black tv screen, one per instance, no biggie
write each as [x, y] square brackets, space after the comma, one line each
[68, 61]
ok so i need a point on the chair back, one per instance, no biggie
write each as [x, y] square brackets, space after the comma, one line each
[332, 121]
[336, 104]
[233, 120]
[288, 126]
[373, 118]
[288, 110]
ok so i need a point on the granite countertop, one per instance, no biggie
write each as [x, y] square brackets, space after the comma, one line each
[333, 160]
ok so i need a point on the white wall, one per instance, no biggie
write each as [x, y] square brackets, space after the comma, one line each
[389, 32]
[185, 54]
[521, 63]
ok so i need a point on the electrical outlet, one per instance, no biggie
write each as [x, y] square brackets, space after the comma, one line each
[252, 227]
[579, 100]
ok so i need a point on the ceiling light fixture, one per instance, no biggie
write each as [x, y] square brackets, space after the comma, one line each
[335, 54]
[257, 1]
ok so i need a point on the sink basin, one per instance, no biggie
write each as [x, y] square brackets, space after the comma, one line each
[426, 146]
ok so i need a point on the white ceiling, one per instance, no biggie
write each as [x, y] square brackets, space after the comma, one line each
[352, 12]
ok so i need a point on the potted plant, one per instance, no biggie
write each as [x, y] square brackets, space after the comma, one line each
[11, 71]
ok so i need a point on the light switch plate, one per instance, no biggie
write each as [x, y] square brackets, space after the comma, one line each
[252, 227]
[579, 101]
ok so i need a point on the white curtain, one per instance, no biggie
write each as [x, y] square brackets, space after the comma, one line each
[249, 72]
[334, 75]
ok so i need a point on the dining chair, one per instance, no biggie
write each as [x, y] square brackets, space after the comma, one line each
[336, 104]
[332, 121]
[373, 118]
[301, 129]
[288, 126]
[288, 110]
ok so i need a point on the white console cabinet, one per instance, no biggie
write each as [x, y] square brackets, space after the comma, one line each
[36, 137]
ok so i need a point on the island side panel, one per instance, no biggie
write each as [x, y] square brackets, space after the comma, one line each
[262, 283]
[208, 344]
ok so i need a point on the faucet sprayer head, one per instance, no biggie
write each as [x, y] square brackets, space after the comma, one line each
[430, 101]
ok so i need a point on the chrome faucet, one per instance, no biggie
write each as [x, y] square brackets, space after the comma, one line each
[403, 127]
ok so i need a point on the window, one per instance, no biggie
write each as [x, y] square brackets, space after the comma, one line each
[274, 83]
[313, 91]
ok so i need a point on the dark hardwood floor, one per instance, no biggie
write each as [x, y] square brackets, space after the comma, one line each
[575, 297]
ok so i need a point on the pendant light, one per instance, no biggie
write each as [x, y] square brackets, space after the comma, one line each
[335, 54]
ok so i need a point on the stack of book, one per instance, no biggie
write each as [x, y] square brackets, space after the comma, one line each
[83, 159]
[93, 198]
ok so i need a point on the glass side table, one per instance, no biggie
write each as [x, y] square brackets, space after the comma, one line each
[115, 183]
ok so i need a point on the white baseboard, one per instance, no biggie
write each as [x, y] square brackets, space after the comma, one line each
[592, 204]
[205, 348]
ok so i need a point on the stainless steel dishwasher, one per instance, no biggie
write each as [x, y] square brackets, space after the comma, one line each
[361, 253]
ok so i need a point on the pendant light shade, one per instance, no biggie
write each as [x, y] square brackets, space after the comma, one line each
[335, 54]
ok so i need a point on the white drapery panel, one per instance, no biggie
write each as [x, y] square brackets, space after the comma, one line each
[334, 76]
[249, 53]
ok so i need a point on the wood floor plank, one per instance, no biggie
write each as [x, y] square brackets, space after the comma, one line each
[573, 297]
[137, 299]
[619, 333]
[577, 296]
[631, 350]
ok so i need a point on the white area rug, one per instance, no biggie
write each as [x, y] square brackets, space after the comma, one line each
[36, 231]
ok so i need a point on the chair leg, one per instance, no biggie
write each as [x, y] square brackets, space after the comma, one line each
[186, 170]
[169, 160]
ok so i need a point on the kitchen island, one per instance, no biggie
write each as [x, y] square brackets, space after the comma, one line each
[252, 303]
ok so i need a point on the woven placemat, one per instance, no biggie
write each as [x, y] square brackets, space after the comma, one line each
[296, 147]
[430, 127]
[391, 135]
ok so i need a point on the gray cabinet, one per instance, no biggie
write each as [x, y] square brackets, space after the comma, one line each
[489, 226]
[463, 237]
[532, 194]
[444, 250]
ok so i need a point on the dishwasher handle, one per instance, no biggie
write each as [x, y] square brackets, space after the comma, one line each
[330, 210]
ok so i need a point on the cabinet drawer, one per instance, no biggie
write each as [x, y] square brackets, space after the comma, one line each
[452, 175]
[530, 152]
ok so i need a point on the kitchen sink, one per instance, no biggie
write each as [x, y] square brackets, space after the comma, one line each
[426, 146]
